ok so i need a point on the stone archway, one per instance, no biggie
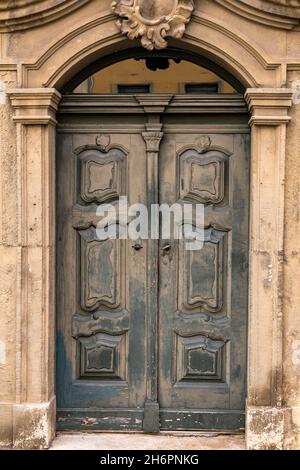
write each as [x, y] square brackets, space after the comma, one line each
[35, 104]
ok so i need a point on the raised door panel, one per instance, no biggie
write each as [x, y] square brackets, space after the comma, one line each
[100, 271]
[202, 286]
[202, 177]
[102, 175]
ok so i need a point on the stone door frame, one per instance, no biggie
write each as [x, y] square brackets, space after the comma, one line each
[35, 104]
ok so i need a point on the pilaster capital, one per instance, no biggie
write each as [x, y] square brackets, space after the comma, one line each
[35, 105]
[269, 106]
[153, 140]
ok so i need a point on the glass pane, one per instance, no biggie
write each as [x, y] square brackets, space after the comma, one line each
[202, 87]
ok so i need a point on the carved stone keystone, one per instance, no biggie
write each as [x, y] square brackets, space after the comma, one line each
[153, 20]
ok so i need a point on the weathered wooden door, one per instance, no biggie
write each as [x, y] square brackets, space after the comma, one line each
[151, 335]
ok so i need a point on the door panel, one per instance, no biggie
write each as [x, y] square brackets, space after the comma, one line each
[101, 285]
[203, 294]
[129, 351]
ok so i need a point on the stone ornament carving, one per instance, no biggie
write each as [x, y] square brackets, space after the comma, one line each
[103, 142]
[203, 144]
[153, 140]
[153, 20]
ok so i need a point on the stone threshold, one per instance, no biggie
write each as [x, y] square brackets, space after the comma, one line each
[138, 441]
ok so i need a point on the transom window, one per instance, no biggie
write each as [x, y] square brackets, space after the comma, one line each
[154, 75]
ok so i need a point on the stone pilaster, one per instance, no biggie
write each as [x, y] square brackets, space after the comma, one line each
[34, 411]
[267, 415]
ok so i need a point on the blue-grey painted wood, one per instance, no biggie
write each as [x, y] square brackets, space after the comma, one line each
[203, 293]
[156, 336]
[101, 294]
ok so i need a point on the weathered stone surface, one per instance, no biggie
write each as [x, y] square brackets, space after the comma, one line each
[26, 14]
[8, 164]
[277, 7]
[291, 296]
[268, 428]
[34, 425]
[9, 257]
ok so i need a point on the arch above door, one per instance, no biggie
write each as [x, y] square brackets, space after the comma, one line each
[90, 42]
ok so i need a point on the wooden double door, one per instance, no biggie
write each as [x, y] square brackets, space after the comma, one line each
[151, 335]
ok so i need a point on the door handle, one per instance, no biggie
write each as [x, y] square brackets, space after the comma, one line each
[137, 247]
[166, 248]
